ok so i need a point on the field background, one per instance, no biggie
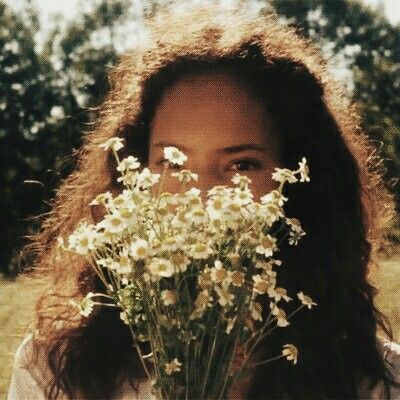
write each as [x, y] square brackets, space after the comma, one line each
[16, 309]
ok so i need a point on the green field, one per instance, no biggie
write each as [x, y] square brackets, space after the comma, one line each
[16, 309]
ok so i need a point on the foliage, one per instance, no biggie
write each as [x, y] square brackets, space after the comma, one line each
[370, 46]
[44, 103]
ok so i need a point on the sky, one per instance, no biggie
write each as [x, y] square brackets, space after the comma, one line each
[68, 9]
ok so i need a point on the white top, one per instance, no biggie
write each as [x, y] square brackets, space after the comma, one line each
[27, 382]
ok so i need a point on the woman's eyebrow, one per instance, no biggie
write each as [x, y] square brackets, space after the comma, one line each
[231, 149]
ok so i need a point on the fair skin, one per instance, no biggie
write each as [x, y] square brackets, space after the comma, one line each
[206, 114]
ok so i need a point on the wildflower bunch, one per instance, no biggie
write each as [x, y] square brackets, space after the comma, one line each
[190, 276]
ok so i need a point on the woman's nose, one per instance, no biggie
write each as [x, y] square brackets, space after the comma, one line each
[208, 177]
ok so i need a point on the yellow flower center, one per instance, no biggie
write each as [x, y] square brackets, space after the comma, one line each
[217, 204]
[115, 221]
[261, 286]
[162, 267]
[141, 251]
[177, 258]
[267, 243]
[200, 247]
[84, 242]
[220, 274]
[201, 301]
[237, 278]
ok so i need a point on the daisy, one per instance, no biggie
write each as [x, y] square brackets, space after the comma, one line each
[234, 259]
[123, 200]
[173, 366]
[200, 251]
[83, 239]
[290, 352]
[243, 196]
[219, 274]
[124, 264]
[306, 300]
[260, 285]
[304, 170]
[128, 164]
[114, 143]
[174, 155]
[249, 239]
[230, 324]
[112, 223]
[146, 179]
[267, 246]
[283, 175]
[129, 178]
[215, 207]
[255, 310]
[219, 190]
[167, 200]
[270, 213]
[139, 249]
[296, 231]
[278, 294]
[279, 314]
[85, 306]
[185, 176]
[237, 278]
[180, 261]
[129, 217]
[266, 266]
[172, 243]
[241, 180]
[234, 208]
[168, 297]
[107, 263]
[204, 278]
[102, 198]
[203, 300]
[161, 267]
[198, 216]
[275, 197]
[225, 298]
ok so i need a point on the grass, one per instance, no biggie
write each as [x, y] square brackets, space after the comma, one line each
[16, 309]
[17, 306]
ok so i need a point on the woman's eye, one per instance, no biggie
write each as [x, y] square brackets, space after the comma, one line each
[244, 165]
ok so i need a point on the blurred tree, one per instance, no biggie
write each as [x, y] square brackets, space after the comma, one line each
[370, 47]
[25, 104]
[45, 100]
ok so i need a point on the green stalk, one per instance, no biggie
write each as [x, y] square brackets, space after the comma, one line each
[166, 165]
[209, 360]
[229, 365]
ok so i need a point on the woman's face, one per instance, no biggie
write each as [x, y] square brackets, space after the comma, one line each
[221, 127]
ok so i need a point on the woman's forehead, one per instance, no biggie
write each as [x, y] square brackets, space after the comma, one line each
[200, 85]
[210, 107]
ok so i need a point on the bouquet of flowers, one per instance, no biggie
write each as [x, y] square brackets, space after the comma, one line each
[188, 275]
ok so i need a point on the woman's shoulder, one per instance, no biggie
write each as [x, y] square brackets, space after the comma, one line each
[27, 377]
[143, 392]
[390, 352]
[30, 376]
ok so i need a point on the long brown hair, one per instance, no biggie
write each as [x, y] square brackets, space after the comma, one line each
[344, 210]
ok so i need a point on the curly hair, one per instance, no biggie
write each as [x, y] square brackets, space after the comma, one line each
[344, 210]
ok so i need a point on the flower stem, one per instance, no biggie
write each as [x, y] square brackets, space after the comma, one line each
[209, 359]
[166, 165]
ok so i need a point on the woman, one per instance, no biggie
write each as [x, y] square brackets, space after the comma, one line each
[246, 95]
